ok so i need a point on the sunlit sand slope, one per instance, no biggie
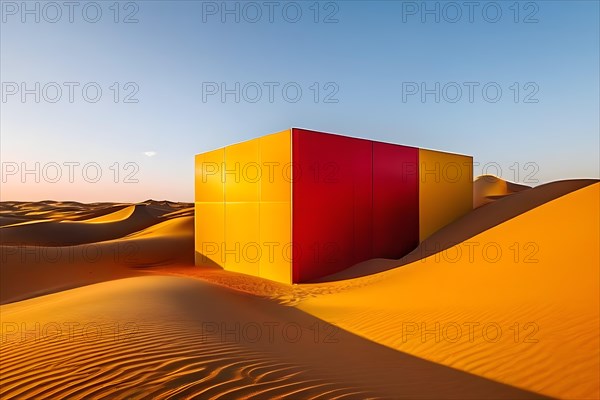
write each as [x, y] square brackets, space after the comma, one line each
[29, 271]
[118, 215]
[168, 337]
[518, 303]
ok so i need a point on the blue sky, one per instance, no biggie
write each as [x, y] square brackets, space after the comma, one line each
[543, 56]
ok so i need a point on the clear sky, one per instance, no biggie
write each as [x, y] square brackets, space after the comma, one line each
[378, 67]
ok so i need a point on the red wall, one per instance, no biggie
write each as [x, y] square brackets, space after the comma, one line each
[331, 223]
[353, 199]
[395, 200]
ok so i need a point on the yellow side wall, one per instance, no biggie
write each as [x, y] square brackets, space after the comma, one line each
[445, 189]
[241, 207]
[276, 206]
[209, 207]
[243, 212]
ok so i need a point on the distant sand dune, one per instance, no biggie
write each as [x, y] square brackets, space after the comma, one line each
[119, 215]
[49, 256]
[42, 270]
[4, 221]
[185, 212]
[65, 233]
[56, 210]
[488, 188]
[178, 226]
[75, 211]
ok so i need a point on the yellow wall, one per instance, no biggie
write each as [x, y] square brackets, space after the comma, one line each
[243, 212]
[241, 207]
[445, 189]
[209, 207]
[276, 206]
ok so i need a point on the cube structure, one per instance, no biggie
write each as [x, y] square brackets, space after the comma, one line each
[298, 205]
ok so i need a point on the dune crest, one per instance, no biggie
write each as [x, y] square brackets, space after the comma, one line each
[488, 188]
[118, 215]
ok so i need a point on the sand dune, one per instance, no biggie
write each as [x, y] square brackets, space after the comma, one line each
[97, 229]
[74, 211]
[185, 212]
[542, 291]
[56, 210]
[178, 226]
[49, 256]
[41, 270]
[5, 221]
[488, 188]
[168, 337]
[119, 215]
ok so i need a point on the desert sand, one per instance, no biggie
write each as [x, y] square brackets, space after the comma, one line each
[112, 241]
[172, 337]
[103, 301]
